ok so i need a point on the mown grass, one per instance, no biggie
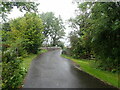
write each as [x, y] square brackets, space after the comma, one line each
[88, 66]
[27, 60]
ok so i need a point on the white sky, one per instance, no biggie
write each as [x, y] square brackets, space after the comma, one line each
[64, 8]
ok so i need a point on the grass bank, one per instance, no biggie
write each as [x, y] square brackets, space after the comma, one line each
[89, 67]
[27, 60]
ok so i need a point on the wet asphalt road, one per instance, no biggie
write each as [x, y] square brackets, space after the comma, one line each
[50, 70]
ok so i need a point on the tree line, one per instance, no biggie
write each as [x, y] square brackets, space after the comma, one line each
[96, 34]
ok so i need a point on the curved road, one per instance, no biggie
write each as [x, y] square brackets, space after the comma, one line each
[50, 70]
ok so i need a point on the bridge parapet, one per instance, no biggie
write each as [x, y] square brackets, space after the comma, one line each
[51, 48]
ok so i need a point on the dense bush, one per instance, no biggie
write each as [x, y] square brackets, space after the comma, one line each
[19, 37]
[13, 42]
[30, 29]
[12, 72]
[78, 48]
[106, 39]
[98, 33]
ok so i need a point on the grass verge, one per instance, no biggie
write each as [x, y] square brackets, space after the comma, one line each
[27, 61]
[87, 66]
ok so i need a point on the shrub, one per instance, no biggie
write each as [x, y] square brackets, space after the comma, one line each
[13, 73]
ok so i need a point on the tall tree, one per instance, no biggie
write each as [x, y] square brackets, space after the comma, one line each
[106, 35]
[54, 27]
[98, 26]
[81, 24]
[29, 28]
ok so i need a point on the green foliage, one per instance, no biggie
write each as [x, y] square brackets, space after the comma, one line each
[98, 33]
[12, 73]
[106, 39]
[54, 28]
[6, 7]
[81, 38]
[19, 37]
[30, 29]
[78, 48]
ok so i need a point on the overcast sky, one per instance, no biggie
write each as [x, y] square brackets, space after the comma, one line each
[64, 8]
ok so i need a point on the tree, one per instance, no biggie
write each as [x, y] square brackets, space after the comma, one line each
[19, 36]
[81, 23]
[78, 50]
[6, 7]
[30, 29]
[23, 35]
[98, 27]
[54, 27]
[106, 35]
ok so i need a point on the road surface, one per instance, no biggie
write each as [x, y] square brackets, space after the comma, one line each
[50, 70]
